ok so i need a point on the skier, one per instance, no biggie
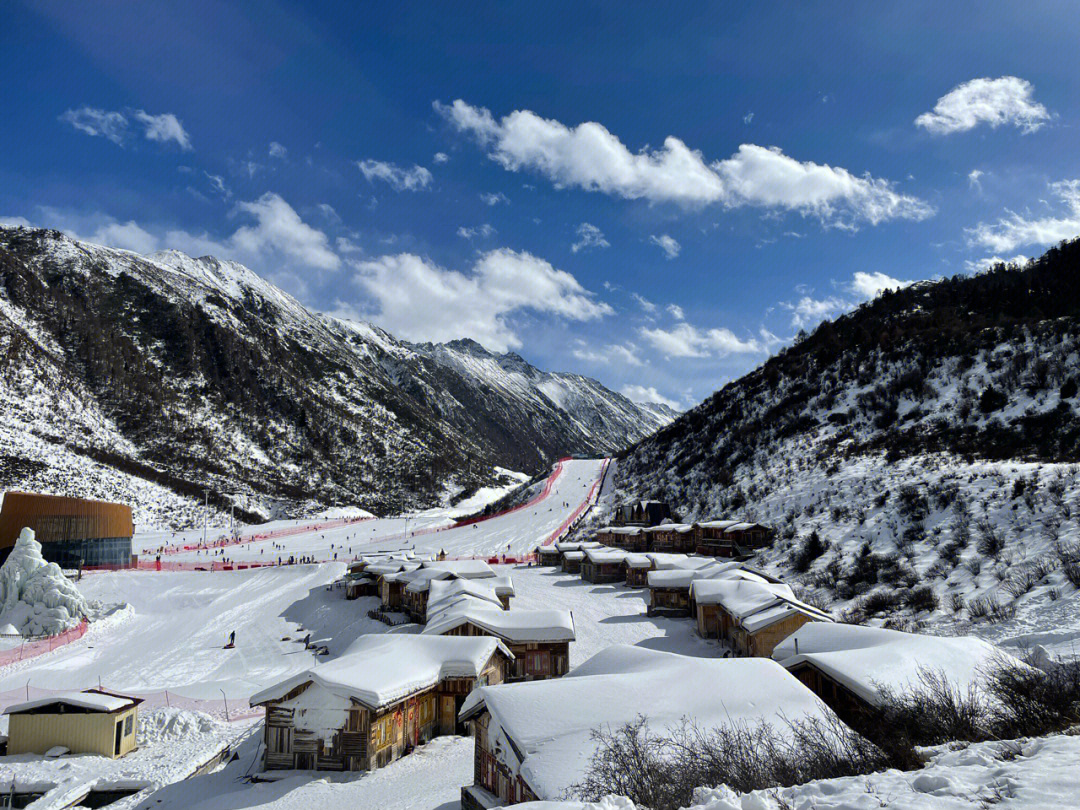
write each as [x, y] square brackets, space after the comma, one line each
[232, 640]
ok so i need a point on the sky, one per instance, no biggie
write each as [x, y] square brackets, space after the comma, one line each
[655, 195]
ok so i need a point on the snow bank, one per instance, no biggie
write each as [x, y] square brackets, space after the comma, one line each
[35, 596]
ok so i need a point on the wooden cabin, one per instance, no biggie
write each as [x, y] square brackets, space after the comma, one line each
[637, 570]
[90, 722]
[674, 538]
[602, 565]
[532, 740]
[539, 639]
[571, 561]
[385, 696]
[418, 583]
[357, 585]
[548, 555]
[711, 540]
[732, 538]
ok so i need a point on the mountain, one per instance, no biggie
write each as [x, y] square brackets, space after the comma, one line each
[922, 447]
[148, 378]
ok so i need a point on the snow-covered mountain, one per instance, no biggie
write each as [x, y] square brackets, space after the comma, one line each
[148, 378]
[919, 455]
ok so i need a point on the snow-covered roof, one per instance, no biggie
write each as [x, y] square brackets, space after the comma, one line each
[489, 590]
[463, 569]
[514, 626]
[551, 722]
[630, 530]
[574, 555]
[420, 580]
[682, 577]
[864, 659]
[564, 546]
[377, 670]
[637, 561]
[681, 528]
[716, 524]
[92, 701]
[604, 556]
[742, 527]
[739, 597]
[781, 611]
[666, 560]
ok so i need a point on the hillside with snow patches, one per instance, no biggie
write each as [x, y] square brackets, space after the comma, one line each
[917, 456]
[146, 378]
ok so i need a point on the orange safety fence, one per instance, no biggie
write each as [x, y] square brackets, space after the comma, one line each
[39, 646]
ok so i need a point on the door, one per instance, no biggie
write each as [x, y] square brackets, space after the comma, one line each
[447, 714]
[119, 738]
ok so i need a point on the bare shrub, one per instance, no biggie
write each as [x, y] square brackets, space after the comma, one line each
[661, 771]
[1020, 582]
[991, 540]
[1035, 701]
[921, 598]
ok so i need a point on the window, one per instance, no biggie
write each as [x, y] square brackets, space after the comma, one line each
[129, 725]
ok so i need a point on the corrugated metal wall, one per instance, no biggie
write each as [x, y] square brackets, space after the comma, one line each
[56, 518]
[91, 733]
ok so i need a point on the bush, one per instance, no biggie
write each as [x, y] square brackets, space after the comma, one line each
[813, 548]
[661, 771]
[992, 400]
[921, 598]
[991, 540]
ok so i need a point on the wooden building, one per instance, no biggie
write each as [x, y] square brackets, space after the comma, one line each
[642, 513]
[534, 741]
[539, 639]
[90, 722]
[732, 538]
[603, 565]
[548, 555]
[637, 570]
[386, 695]
[674, 538]
[571, 561]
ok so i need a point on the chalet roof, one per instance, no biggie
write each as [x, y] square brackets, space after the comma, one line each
[637, 561]
[680, 528]
[89, 700]
[378, 670]
[742, 527]
[603, 555]
[716, 524]
[666, 560]
[487, 590]
[513, 626]
[463, 569]
[865, 659]
[740, 596]
[574, 555]
[769, 616]
[550, 723]
[682, 577]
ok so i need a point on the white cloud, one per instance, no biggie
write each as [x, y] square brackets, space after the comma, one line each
[16, 222]
[280, 229]
[641, 393]
[985, 263]
[113, 125]
[278, 151]
[746, 119]
[808, 311]
[973, 179]
[484, 231]
[346, 245]
[589, 236]
[494, 198]
[163, 128]
[644, 303]
[399, 179]
[418, 300]
[685, 340]
[440, 157]
[871, 285]
[217, 182]
[588, 156]
[1007, 100]
[1015, 230]
[126, 235]
[676, 312]
[667, 244]
[625, 354]
[329, 212]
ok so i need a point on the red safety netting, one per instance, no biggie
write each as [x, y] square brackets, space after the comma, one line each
[35, 647]
[231, 709]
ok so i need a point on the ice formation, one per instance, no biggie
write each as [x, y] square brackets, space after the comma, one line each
[35, 596]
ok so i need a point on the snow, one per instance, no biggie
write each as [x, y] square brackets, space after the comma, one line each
[445, 592]
[94, 701]
[35, 596]
[551, 722]
[377, 670]
[867, 659]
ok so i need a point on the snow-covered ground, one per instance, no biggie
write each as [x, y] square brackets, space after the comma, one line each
[514, 533]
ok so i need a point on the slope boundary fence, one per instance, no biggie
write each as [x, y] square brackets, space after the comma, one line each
[233, 710]
[39, 646]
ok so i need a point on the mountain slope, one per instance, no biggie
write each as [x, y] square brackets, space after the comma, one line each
[928, 438]
[149, 378]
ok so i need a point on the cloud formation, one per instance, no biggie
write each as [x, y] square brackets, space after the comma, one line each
[418, 300]
[667, 244]
[590, 157]
[648, 395]
[398, 178]
[1014, 230]
[809, 311]
[113, 125]
[618, 353]
[684, 340]
[589, 236]
[996, 102]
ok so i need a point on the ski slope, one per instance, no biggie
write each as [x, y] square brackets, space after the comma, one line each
[516, 532]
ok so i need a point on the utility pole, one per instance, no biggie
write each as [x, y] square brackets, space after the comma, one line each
[206, 513]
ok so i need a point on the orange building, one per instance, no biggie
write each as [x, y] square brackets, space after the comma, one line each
[72, 531]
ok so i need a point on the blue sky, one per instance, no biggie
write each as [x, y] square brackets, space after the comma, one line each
[657, 195]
